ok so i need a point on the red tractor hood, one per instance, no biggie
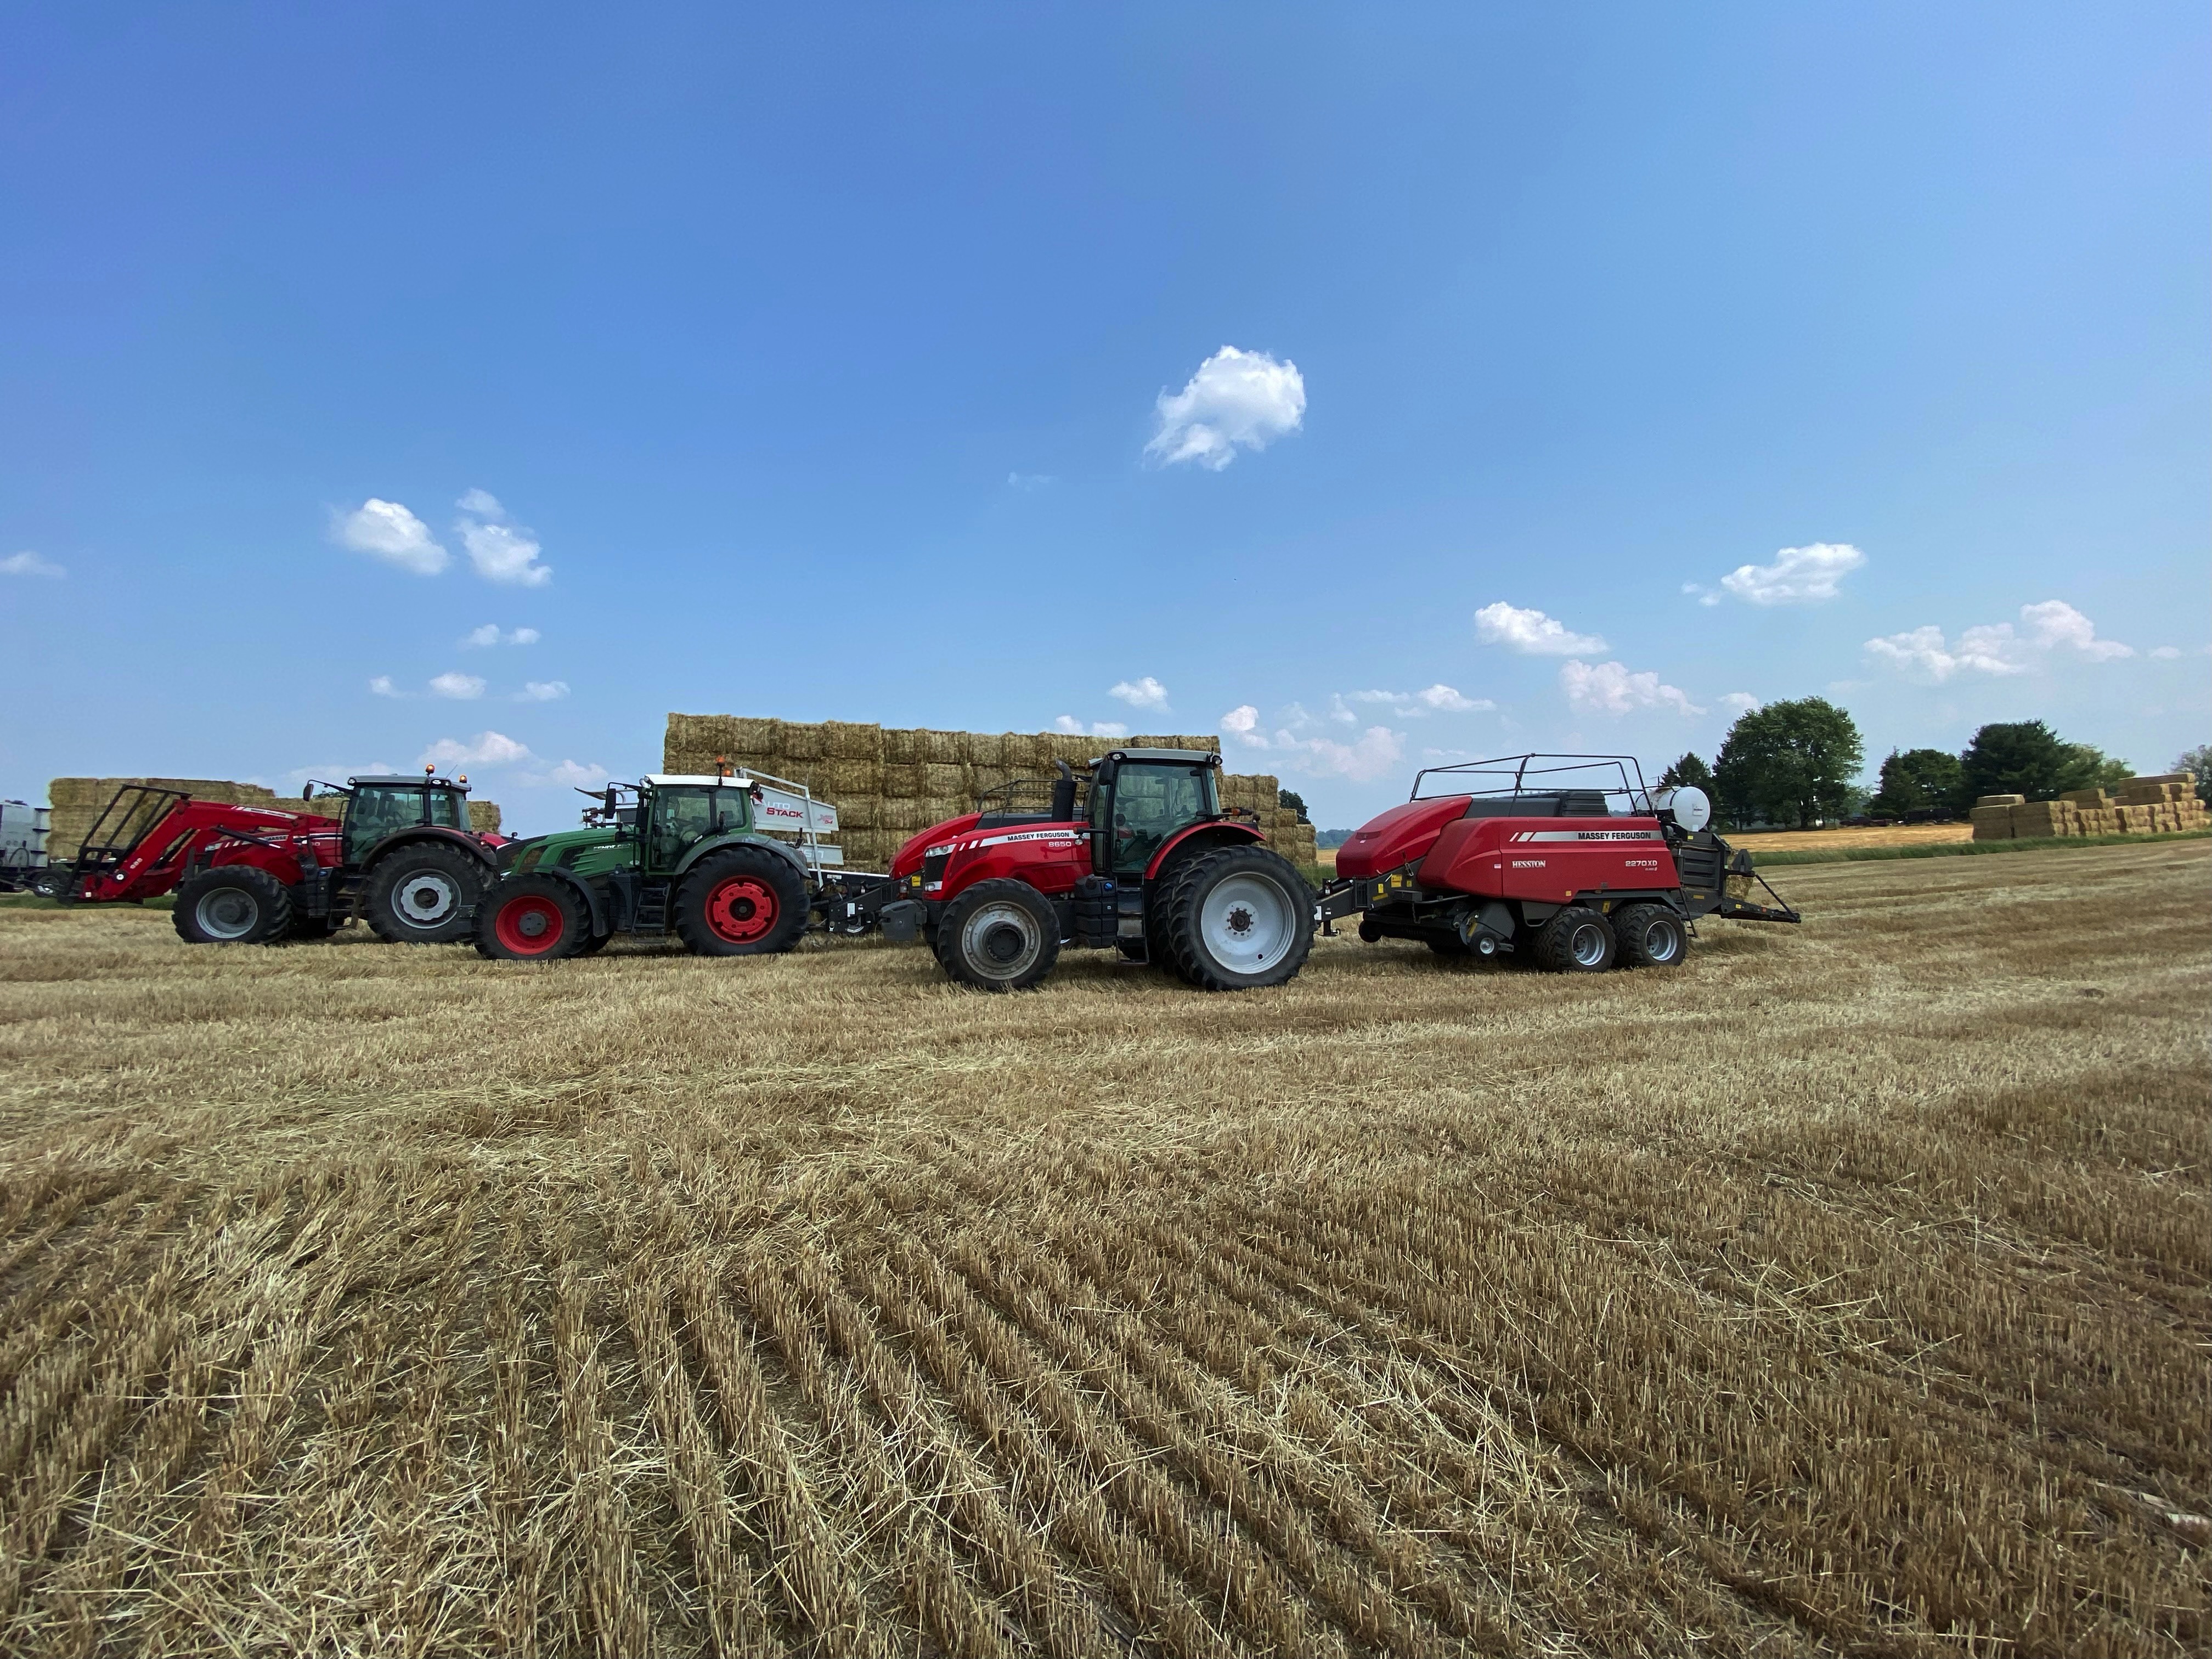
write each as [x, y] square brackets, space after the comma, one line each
[1401, 836]
[907, 859]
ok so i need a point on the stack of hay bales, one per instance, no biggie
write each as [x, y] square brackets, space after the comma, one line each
[1261, 795]
[76, 802]
[2153, 805]
[887, 783]
[2146, 806]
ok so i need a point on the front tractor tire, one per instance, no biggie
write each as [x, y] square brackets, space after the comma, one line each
[424, 895]
[1651, 936]
[1577, 940]
[532, 918]
[1238, 918]
[741, 902]
[999, 935]
[232, 904]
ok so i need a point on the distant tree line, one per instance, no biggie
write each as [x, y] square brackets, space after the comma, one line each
[1796, 762]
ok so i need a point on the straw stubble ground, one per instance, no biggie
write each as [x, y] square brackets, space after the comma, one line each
[1844, 1291]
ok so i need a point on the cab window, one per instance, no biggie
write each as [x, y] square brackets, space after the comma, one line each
[447, 809]
[374, 813]
[1151, 803]
[680, 817]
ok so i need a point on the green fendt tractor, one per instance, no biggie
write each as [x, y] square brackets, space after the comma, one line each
[688, 854]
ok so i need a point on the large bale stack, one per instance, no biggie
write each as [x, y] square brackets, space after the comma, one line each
[1261, 796]
[889, 782]
[2145, 806]
[77, 802]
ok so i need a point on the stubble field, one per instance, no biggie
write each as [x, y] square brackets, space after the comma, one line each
[1845, 1291]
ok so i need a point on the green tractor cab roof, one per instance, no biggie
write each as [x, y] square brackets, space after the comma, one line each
[664, 779]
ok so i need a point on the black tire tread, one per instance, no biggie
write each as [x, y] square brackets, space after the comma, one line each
[576, 919]
[1178, 910]
[1554, 950]
[1628, 925]
[275, 900]
[955, 915]
[470, 877]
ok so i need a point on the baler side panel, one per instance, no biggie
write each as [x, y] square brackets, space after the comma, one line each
[1548, 860]
[1397, 836]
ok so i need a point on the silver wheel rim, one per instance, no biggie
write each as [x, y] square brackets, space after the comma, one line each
[1588, 945]
[227, 913]
[1001, 940]
[425, 898]
[1661, 942]
[1245, 924]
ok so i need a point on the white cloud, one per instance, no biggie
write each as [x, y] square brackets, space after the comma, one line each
[1439, 699]
[1799, 575]
[1531, 631]
[30, 564]
[389, 531]
[542, 691]
[1243, 723]
[500, 552]
[485, 749]
[1238, 398]
[460, 687]
[1146, 693]
[1996, 648]
[383, 687]
[1376, 753]
[489, 634]
[1068, 725]
[2166, 652]
[569, 774]
[1608, 688]
[1739, 702]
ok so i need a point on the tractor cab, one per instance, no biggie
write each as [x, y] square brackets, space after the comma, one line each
[376, 807]
[676, 813]
[1141, 797]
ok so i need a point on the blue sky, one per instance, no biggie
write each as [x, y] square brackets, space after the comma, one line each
[874, 369]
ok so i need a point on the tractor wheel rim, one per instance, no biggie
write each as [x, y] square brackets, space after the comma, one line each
[1588, 945]
[742, 909]
[1246, 923]
[425, 898]
[529, 925]
[1661, 943]
[227, 913]
[1002, 940]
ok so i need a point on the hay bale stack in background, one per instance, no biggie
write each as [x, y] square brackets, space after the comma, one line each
[889, 783]
[2165, 802]
[2044, 820]
[1992, 817]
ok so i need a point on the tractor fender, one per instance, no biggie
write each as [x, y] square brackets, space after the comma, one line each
[415, 834]
[1219, 833]
[278, 861]
[716, 843]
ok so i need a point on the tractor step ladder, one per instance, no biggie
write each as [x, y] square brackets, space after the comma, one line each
[653, 908]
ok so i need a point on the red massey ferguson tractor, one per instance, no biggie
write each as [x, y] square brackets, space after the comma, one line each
[1136, 857]
[1568, 859]
[396, 851]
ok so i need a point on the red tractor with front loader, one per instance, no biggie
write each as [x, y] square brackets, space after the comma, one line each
[1568, 862]
[395, 851]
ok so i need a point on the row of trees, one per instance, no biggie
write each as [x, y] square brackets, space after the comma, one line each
[1796, 761]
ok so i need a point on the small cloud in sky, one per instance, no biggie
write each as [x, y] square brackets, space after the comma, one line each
[30, 564]
[1739, 702]
[1237, 399]
[1146, 693]
[1799, 575]
[485, 749]
[1532, 632]
[542, 691]
[1243, 723]
[1610, 687]
[500, 551]
[1295, 746]
[568, 774]
[1439, 699]
[387, 531]
[490, 633]
[461, 687]
[2165, 653]
[1999, 649]
[1071, 727]
[382, 686]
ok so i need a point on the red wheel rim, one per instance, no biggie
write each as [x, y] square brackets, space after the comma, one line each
[529, 925]
[742, 909]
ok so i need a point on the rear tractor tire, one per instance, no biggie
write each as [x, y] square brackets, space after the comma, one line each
[1237, 918]
[232, 904]
[1651, 936]
[424, 894]
[741, 902]
[1577, 940]
[999, 935]
[531, 919]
